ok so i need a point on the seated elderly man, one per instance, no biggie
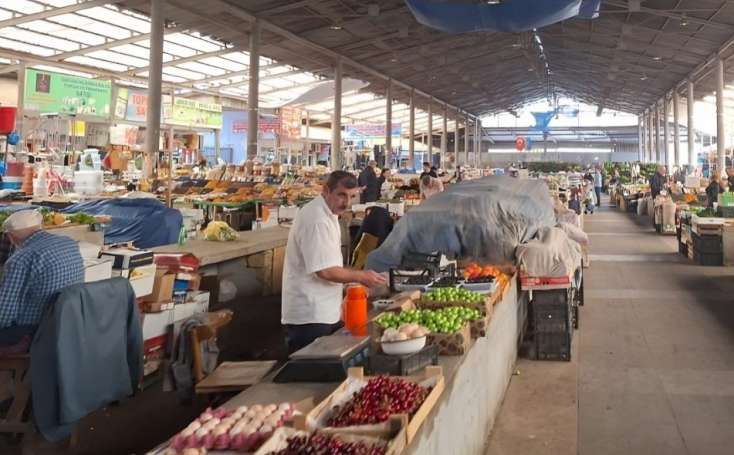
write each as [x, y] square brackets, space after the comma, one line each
[41, 265]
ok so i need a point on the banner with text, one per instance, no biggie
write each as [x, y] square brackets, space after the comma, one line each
[48, 93]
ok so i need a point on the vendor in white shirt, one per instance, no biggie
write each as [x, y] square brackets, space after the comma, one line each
[314, 272]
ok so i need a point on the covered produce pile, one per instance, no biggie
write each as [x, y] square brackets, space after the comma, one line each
[484, 219]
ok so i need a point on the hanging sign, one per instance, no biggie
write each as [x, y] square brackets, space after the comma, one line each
[194, 114]
[290, 123]
[266, 124]
[55, 93]
[370, 130]
[520, 143]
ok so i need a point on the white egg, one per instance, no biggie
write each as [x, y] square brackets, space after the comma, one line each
[242, 409]
[201, 432]
[250, 413]
[228, 421]
[220, 429]
[195, 425]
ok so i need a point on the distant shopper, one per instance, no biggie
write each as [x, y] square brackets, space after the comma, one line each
[597, 185]
[369, 183]
[384, 175]
[657, 181]
[459, 176]
[589, 198]
[428, 170]
[314, 271]
[41, 265]
[713, 190]
[730, 178]
[430, 186]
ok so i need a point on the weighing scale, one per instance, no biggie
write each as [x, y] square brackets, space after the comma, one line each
[327, 359]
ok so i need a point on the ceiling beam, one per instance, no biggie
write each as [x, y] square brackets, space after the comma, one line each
[50, 12]
[108, 45]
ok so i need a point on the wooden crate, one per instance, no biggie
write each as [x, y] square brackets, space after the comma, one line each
[434, 373]
[278, 440]
[457, 343]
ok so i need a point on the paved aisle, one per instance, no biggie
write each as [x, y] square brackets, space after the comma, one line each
[656, 346]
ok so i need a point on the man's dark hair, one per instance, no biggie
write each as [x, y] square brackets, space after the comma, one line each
[342, 178]
[387, 169]
[426, 180]
[426, 163]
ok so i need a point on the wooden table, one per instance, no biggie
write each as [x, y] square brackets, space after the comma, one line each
[249, 243]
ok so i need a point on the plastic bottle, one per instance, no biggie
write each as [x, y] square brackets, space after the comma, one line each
[355, 310]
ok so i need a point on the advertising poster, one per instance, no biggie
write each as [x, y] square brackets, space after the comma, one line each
[55, 93]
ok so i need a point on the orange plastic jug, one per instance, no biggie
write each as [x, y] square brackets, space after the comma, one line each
[355, 310]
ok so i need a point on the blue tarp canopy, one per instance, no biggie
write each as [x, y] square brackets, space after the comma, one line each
[145, 222]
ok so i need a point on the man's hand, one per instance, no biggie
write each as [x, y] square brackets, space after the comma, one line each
[371, 279]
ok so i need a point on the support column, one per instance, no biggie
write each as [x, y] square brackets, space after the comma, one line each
[666, 132]
[309, 161]
[657, 133]
[456, 140]
[155, 75]
[20, 112]
[477, 144]
[645, 132]
[430, 130]
[217, 145]
[388, 124]
[411, 131]
[676, 129]
[337, 159]
[691, 127]
[720, 128]
[650, 133]
[640, 137]
[466, 141]
[253, 93]
[444, 137]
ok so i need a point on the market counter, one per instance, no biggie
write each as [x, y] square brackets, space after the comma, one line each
[249, 243]
[476, 382]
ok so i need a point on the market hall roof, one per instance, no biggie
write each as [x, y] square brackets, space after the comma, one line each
[626, 59]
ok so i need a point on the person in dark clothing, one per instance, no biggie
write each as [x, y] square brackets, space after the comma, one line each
[370, 184]
[657, 181]
[384, 174]
[730, 179]
[428, 170]
[713, 191]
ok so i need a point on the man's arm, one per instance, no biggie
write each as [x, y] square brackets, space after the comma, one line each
[12, 290]
[344, 275]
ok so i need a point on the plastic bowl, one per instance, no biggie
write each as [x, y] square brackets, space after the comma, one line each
[404, 347]
[382, 303]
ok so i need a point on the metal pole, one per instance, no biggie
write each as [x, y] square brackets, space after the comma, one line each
[336, 122]
[676, 129]
[666, 131]
[411, 131]
[456, 140]
[720, 128]
[217, 145]
[657, 133]
[477, 143]
[643, 144]
[308, 140]
[650, 136]
[388, 124]
[444, 137]
[253, 92]
[430, 130]
[466, 140]
[20, 112]
[155, 75]
[690, 126]
[640, 136]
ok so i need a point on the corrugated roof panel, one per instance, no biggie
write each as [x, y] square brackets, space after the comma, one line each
[23, 6]
[118, 58]
[94, 62]
[79, 36]
[112, 16]
[193, 42]
[182, 73]
[26, 36]
[24, 47]
[224, 63]
[202, 68]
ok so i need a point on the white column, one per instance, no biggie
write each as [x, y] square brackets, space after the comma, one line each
[477, 144]
[720, 127]
[337, 159]
[456, 139]
[466, 140]
[217, 145]
[666, 131]
[430, 131]
[657, 134]
[411, 131]
[650, 132]
[640, 137]
[645, 132]
[444, 137]
[311, 162]
[253, 92]
[676, 129]
[388, 123]
[690, 126]
[20, 112]
[155, 74]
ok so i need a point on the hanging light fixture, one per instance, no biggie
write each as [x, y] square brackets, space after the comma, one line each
[684, 20]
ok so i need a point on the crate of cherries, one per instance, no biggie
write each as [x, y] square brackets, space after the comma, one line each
[287, 441]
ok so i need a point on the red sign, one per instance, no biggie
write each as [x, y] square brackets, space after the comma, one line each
[520, 144]
[290, 123]
[265, 124]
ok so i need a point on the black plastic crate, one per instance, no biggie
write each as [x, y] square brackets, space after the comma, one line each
[552, 296]
[708, 244]
[715, 259]
[683, 248]
[553, 345]
[403, 365]
[552, 317]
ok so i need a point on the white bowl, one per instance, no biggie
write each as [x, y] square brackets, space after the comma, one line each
[382, 303]
[404, 347]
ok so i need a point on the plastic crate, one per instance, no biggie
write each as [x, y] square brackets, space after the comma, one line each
[709, 244]
[403, 365]
[552, 296]
[713, 259]
[553, 345]
[683, 248]
[552, 317]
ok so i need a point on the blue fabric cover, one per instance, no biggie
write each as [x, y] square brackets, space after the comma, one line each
[511, 16]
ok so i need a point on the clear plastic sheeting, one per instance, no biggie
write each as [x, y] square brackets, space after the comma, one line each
[552, 254]
[483, 219]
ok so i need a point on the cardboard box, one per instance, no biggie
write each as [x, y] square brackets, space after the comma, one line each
[97, 269]
[126, 258]
[156, 324]
[193, 281]
[157, 307]
[141, 278]
[162, 287]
